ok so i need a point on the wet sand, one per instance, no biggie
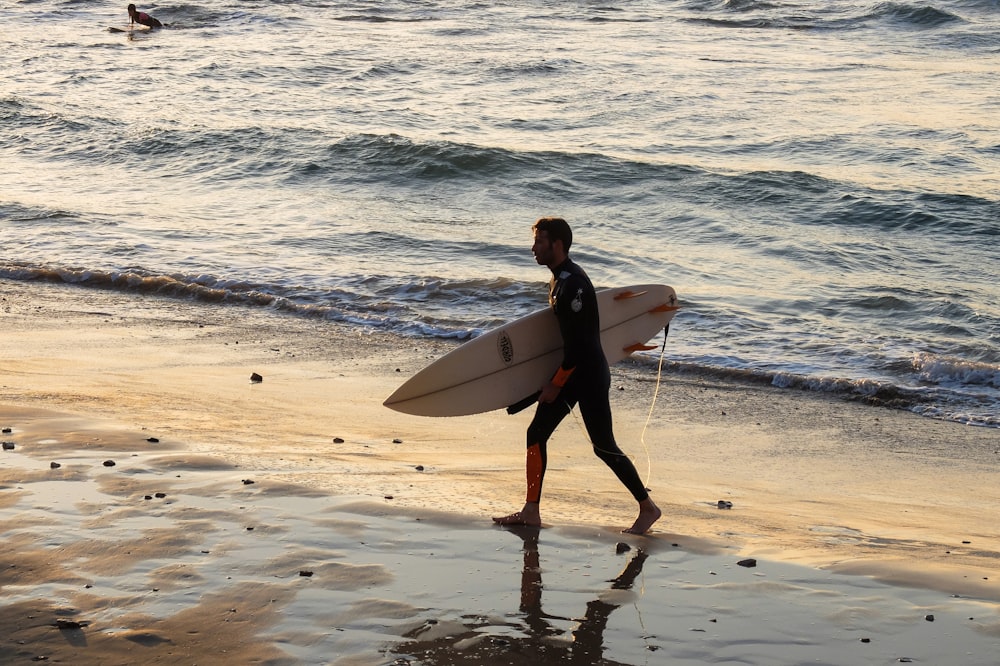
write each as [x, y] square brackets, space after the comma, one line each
[296, 520]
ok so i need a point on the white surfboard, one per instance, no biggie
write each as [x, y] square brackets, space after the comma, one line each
[130, 29]
[510, 363]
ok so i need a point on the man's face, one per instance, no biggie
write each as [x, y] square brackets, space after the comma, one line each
[542, 248]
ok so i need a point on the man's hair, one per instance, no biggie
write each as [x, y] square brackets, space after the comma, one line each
[557, 229]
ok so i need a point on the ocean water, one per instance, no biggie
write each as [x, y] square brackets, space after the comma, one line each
[818, 179]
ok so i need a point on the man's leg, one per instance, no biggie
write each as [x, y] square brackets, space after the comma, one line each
[596, 414]
[547, 418]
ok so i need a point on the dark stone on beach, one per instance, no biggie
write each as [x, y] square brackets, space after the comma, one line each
[69, 624]
[255, 378]
[389, 497]
[338, 440]
[149, 497]
[749, 563]
[905, 660]
[307, 574]
[966, 542]
[866, 640]
[161, 495]
[250, 529]
[420, 468]
[8, 446]
[724, 504]
[109, 463]
[54, 465]
[247, 482]
[152, 440]
[397, 441]
[622, 547]
[7, 431]
[929, 617]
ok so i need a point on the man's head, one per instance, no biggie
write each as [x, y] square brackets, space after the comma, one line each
[553, 238]
[557, 229]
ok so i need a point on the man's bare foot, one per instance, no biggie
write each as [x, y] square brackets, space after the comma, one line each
[649, 513]
[529, 515]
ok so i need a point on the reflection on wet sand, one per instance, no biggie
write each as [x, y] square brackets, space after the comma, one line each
[540, 639]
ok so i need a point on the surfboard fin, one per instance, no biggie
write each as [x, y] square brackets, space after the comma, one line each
[666, 307]
[628, 293]
[637, 347]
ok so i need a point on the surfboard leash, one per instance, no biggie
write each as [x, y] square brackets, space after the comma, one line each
[649, 415]
[652, 405]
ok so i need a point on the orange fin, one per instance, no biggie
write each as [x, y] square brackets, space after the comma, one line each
[628, 294]
[665, 308]
[637, 347]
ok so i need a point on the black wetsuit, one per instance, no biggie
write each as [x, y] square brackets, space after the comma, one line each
[574, 302]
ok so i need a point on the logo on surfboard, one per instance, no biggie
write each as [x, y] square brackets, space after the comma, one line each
[505, 347]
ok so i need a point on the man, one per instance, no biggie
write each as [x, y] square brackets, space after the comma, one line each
[142, 18]
[583, 378]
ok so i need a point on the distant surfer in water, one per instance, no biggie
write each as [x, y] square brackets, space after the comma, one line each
[142, 18]
[583, 378]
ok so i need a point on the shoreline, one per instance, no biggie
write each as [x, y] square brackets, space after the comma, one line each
[830, 486]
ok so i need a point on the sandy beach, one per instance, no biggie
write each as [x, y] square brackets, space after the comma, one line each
[157, 506]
